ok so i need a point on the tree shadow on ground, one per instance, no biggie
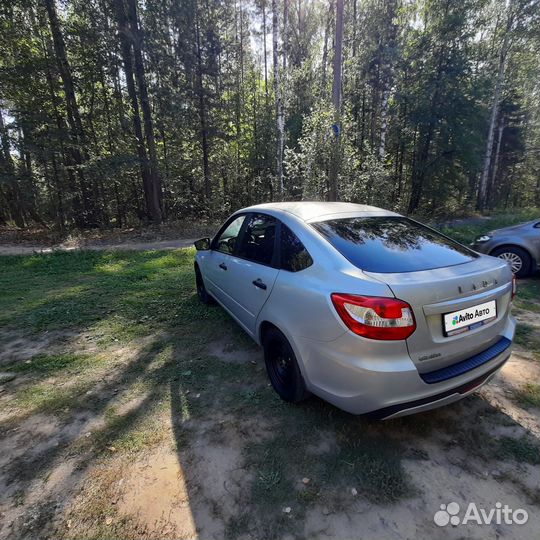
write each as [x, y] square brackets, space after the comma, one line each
[261, 468]
[244, 456]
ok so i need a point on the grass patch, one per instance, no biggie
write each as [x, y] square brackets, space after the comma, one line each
[336, 451]
[120, 295]
[521, 450]
[526, 336]
[48, 398]
[526, 305]
[529, 395]
[50, 364]
[524, 332]
[466, 233]
[528, 295]
[529, 290]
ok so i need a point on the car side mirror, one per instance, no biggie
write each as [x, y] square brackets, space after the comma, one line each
[203, 244]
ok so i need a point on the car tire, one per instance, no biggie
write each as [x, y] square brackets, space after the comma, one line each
[282, 367]
[518, 258]
[202, 293]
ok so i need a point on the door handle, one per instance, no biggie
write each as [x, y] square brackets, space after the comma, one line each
[223, 266]
[260, 284]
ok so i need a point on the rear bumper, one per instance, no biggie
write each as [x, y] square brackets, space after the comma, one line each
[432, 402]
[475, 361]
[388, 385]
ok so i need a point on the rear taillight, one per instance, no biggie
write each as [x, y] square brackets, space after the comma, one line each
[514, 286]
[375, 317]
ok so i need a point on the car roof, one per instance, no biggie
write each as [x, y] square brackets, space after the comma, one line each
[315, 210]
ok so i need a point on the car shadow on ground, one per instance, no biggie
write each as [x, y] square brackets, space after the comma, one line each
[256, 467]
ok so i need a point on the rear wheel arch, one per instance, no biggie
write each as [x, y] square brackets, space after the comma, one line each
[267, 325]
[264, 327]
[282, 365]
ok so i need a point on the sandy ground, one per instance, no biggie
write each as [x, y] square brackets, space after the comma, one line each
[168, 492]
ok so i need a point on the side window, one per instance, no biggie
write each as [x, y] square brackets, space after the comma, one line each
[294, 256]
[227, 239]
[258, 239]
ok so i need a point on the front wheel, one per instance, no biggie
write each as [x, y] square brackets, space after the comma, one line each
[282, 367]
[518, 259]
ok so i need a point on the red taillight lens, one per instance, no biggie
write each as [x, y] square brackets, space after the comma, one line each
[514, 286]
[375, 317]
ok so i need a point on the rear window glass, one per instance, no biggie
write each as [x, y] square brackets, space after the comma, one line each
[392, 244]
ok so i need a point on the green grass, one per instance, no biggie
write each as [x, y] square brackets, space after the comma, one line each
[117, 295]
[529, 395]
[529, 290]
[467, 233]
[526, 336]
[50, 364]
[528, 295]
[149, 373]
[522, 450]
[114, 300]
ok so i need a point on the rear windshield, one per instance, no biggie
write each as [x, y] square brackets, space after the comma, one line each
[392, 244]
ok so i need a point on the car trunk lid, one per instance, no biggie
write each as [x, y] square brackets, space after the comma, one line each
[436, 292]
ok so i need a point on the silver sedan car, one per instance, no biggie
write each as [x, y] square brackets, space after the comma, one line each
[372, 311]
[518, 245]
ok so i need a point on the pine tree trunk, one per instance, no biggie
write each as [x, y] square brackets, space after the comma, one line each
[156, 192]
[482, 188]
[336, 98]
[265, 55]
[14, 197]
[387, 73]
[494, 171]
[202, 110]
[325, 53]
[280, 121]
[125, 48]
[66, 153]
[285, 36]
[78, 136]
[30, 200]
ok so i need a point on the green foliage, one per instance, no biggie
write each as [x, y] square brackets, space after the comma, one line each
[362, 176]
[418, 84]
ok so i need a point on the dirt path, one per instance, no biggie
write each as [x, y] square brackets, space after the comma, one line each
[9, 245]
[127, 246]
